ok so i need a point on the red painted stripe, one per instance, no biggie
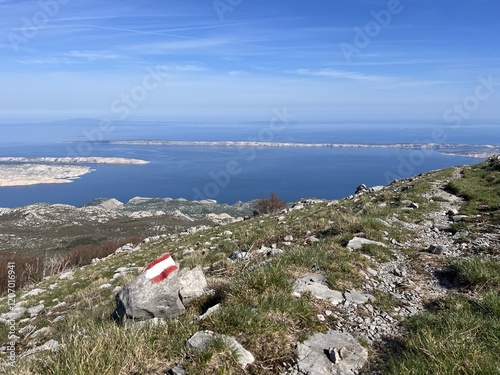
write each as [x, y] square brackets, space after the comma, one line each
[162, 276]
[151, 265]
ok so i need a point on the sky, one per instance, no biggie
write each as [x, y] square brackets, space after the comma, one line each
[240, 60]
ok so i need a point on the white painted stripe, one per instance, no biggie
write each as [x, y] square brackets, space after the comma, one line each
[159, 268]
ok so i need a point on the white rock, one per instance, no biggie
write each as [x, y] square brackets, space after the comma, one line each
[66, 275]
[210, 312]
[357, 243]
[14, 314]
[40, 332]
[34, 292]
[33, 311]
[58, 319]
[51, 345]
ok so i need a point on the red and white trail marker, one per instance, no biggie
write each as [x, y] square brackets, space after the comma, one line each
[159, 269]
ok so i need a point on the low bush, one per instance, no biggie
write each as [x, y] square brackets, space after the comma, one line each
[270, 205]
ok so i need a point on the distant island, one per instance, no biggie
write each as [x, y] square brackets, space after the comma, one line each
[72, 160]
[21, 171]
[474, 151]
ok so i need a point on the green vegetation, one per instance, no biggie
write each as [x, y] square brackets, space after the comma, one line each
[462, 335]
[480, 186]
[479, 272]
[458, 337]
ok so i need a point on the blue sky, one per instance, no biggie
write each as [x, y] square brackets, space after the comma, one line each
[238, 60]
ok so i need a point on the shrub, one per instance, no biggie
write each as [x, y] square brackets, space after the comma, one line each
[269, 205]
[30, 268]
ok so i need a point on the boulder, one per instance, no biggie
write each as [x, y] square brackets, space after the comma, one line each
[333, 353]
[152, 294]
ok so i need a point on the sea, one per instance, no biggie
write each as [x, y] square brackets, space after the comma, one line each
[232, 174]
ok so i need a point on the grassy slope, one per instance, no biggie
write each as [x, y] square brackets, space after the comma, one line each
[256, 305]
[461, 334]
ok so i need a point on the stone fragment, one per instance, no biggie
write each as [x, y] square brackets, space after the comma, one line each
[356, 297]
[14, 314]
[333, 353]
[51, 345]
[67, 275]
[34, 292]
[357, 243]
[210, 312]
[35, 310]
[202, 339]
[41, 332]
[313, 284]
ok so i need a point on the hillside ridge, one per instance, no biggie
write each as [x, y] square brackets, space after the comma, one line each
[393, 256]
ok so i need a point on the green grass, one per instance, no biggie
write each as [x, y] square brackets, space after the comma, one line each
[461, 337]
[480, 187]
[479, 272]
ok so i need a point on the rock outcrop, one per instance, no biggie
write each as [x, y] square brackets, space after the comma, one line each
[159, 291]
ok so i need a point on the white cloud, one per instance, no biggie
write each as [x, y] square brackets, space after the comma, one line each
[339, 74]
[238, 73]
[93, 55]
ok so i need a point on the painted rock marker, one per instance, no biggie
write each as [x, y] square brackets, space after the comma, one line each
[159, 269]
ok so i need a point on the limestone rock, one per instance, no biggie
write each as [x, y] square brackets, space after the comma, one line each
[210, 312]
[356, 297]
[152, 294]
[14, 314]
[203, 338]
[357, 243]
[193, 284]
[51, 345]
[34, 292]
[67, 275]
[313, 284]
[331, 353]
[35, 310]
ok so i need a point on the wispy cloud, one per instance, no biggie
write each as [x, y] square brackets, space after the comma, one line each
[184, 68]
[238, 73]
[333, 73]
[93, 55]
[383, 82]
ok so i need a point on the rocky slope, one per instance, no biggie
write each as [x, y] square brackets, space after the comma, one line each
[299, 291]
[56, 227]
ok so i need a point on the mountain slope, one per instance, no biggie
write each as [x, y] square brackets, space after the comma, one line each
[432, 270]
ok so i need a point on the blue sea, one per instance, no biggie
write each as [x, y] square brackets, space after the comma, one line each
[229, 175]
